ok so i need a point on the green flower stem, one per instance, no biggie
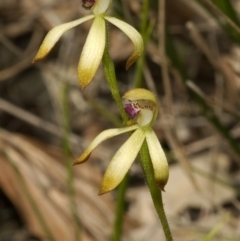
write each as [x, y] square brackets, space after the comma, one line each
[109, 71]
[110, 75]
[120, 209]
[156, 194]
[68, 163]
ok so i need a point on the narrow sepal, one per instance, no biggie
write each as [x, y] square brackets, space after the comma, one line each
[54, 35]
[159, 160]
[133, 34]
[100, 138]
[92, 52]
[122, 161]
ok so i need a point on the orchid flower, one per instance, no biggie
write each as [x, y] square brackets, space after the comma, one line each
[96, 40]
[141, 106]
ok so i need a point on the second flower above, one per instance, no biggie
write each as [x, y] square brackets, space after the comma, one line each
[93, 49]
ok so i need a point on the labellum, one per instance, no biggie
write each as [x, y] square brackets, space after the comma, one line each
[140, 110]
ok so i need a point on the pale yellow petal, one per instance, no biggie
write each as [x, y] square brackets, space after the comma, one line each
[92, 52]
[159, 160]
[133, 34]
[53, 36]
[122, 161]
[100, 138]
[101, 6]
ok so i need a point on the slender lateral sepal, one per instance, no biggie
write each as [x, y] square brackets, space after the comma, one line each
[133, 34]
[159, 160]
[107, 134]
[54, 35]
[122, 161]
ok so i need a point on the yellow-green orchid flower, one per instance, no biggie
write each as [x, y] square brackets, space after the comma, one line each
[94, 47]
[141, 106]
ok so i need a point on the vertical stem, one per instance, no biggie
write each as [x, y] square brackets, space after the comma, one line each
[110, 75]
[69, 169]
[120, 209]
[156, 194]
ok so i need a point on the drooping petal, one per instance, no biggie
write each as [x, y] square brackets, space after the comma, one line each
[100, 138]
[54, 35]
[92, 52]
[122, 161]
[159, 160]
[101, 6]
[133, 34]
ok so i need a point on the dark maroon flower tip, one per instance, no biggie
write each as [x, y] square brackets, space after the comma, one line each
[87, 4]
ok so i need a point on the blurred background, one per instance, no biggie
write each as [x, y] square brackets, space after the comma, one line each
[46, 121]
